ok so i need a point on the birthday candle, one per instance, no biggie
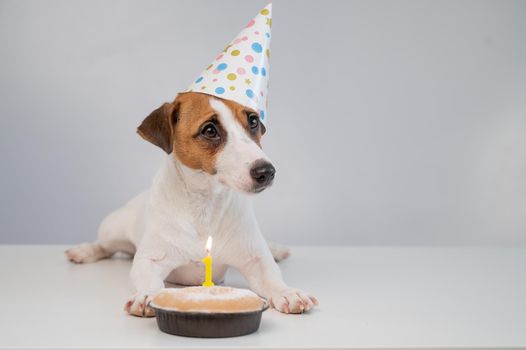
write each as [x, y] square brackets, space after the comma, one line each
[207, 260]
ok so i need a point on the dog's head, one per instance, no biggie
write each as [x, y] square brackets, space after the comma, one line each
[217, 136]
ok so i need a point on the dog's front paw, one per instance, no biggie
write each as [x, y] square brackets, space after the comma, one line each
[292, 301]
[137, 305]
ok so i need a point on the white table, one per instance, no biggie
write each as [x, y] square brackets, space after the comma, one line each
[392, 297]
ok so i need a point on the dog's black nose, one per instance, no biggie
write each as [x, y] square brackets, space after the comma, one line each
[262, 172]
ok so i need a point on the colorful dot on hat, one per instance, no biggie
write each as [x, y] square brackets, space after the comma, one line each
[203, 87]
[210, 66]
[198, 80]
[257, 47]
[235, 53]
[251, 23]
[231, 76]
[219, 57]
[249, 58]
[268, 53]
[262, 114]
[245, 38]
[264, 12]
[214, 80]
[250, 93]
[267, 35]
[256, 32]
[237, 41]
[232, 88]
[219, 90]
[222, 66]
[255, 70]
[216, 71]
[263, 72]
[241, 71]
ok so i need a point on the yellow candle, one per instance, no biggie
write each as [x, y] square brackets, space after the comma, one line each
[207, 260]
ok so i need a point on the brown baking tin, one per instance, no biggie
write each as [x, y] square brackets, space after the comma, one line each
[206, 324]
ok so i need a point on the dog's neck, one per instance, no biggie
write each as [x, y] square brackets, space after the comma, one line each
[191, 182]
[195, 192]
[194, 182]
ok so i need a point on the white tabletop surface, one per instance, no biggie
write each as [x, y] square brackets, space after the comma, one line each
[391, 297]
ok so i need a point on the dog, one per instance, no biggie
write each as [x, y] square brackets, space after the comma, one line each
[214, 159]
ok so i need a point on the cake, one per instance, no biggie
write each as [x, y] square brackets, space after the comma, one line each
[216, 299]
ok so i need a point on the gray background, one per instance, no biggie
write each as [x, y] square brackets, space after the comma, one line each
[391, 122]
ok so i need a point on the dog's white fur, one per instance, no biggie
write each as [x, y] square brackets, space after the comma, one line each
[167, 227]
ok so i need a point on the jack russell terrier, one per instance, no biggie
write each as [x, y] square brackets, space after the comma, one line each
[214, 160]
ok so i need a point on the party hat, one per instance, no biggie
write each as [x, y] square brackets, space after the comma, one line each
[241, 71]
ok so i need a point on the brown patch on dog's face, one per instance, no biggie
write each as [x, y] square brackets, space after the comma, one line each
[249, 120]
[198, 135]
[190, 128]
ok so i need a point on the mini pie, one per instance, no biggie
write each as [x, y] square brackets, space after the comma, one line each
[208, 299]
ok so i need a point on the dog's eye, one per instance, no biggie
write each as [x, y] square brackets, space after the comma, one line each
[210, 131]
[253, 121]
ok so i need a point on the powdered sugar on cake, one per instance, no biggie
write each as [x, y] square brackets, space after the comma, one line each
[215, 292]
[204, 295]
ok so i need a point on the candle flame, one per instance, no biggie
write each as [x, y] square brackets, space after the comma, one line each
[209, 244]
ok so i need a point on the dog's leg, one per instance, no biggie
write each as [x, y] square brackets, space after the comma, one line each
[92, 252]
[87, 253]
[279, 252]
[149, 270]
[113, 234]
[103, 248]
[257, 265]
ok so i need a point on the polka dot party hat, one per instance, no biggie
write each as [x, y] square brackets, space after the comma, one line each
[241, 71]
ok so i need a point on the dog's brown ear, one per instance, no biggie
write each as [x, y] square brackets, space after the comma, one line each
[158, 127]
